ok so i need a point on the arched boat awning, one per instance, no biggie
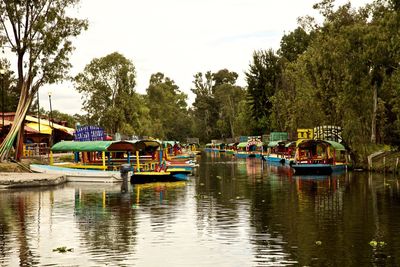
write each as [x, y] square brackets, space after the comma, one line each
[93, 146]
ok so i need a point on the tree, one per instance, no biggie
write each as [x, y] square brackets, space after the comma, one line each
[107, 87]
[205, 107]
[228, 96]
[168, 108]
[39, 34]
[262, 80]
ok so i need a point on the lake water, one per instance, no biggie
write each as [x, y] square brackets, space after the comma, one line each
[232, 212]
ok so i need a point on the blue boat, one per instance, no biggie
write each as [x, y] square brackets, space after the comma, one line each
[319, 157]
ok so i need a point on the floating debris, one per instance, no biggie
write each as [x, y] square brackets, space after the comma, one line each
[63, 249]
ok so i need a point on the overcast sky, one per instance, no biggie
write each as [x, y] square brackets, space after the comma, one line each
[178, 38]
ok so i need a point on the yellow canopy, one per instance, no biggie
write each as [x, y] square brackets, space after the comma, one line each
[44, 129]
[44, 123]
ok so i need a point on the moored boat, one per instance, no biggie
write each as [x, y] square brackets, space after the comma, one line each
[319, 157]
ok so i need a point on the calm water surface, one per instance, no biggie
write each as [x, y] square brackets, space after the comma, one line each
[231, 213]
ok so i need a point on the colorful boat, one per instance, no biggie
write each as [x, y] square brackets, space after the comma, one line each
[319, 157]
[281, 152]
[250, 149]
[100, 161]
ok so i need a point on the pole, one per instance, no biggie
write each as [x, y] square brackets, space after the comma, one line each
[38, 110]
[2, 72]
[50, 123]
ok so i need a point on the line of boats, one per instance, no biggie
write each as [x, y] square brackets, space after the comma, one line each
[153, 160]
[101, 161]
[305, 156]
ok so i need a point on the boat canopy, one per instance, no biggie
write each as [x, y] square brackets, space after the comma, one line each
[149, 145]
[336, 145]
[276, 143]
[93, 146]
[242, 144]
[293, 143]
[310, 142]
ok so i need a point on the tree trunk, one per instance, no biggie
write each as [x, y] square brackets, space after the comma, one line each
[22, 109]
[374, 114]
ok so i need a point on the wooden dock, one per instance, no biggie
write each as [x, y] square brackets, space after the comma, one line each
[18, 180]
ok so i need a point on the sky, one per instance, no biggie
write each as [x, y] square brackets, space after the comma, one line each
[178, 38]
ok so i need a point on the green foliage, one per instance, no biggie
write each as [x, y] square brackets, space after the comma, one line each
[262, 78]
[39, 34]
[216, 112]
[168, 109]
[107, 85]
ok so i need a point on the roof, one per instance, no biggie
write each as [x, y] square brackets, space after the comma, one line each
[145, 144]
[276, 143]
[309, 142]
[44, 129]
[336, 145]
[242, 144]
[53, 125]
[93, 146]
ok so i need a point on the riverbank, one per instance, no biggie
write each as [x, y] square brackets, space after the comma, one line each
[26, 179]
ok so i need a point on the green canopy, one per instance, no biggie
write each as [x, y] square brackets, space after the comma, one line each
[92, 146]
[243, 144]
[336, 145]
[275, 143]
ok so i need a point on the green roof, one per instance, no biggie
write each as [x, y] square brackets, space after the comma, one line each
[274, 143]
[336, 145]
[95, 146]
[91, 146]
[308, 142]
[243, 144]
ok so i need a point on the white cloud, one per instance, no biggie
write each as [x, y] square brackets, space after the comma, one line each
[178, 37]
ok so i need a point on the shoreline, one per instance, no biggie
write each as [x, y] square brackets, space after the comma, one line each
[26, 179]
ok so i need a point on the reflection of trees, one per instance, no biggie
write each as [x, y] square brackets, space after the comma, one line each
[15, 208]
[338, 211]
[107, 222]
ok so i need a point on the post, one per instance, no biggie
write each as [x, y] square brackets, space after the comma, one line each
[125, 168]
[137, 161]
[51, 158]
[103, 157]
[38, 110]
[50, 123]
[2, 72]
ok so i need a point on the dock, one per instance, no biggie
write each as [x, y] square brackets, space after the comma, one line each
[18, 180]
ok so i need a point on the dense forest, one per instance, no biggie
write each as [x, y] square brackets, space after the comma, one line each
[341, 71]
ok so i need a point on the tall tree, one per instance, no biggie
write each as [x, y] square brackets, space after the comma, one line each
[168, 108]
[262, 80]
[205, 107]
[228, 95]
[39, 34]
[107, 87]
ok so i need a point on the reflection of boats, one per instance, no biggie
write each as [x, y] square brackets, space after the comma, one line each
[319, 157]
[160, 187]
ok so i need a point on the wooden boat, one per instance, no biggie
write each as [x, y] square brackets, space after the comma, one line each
[79, 175]
[280, 152]
[319, 157]
[101, 160]
[251, 149]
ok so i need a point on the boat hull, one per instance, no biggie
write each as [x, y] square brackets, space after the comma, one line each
[150, 177]
[317, 168]
[79, 175]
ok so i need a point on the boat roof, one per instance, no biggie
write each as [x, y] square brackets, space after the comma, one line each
[94, 146]
[308, 142]
[91, 146]
[276, 143]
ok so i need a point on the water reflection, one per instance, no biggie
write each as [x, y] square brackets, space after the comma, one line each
[233, 212]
